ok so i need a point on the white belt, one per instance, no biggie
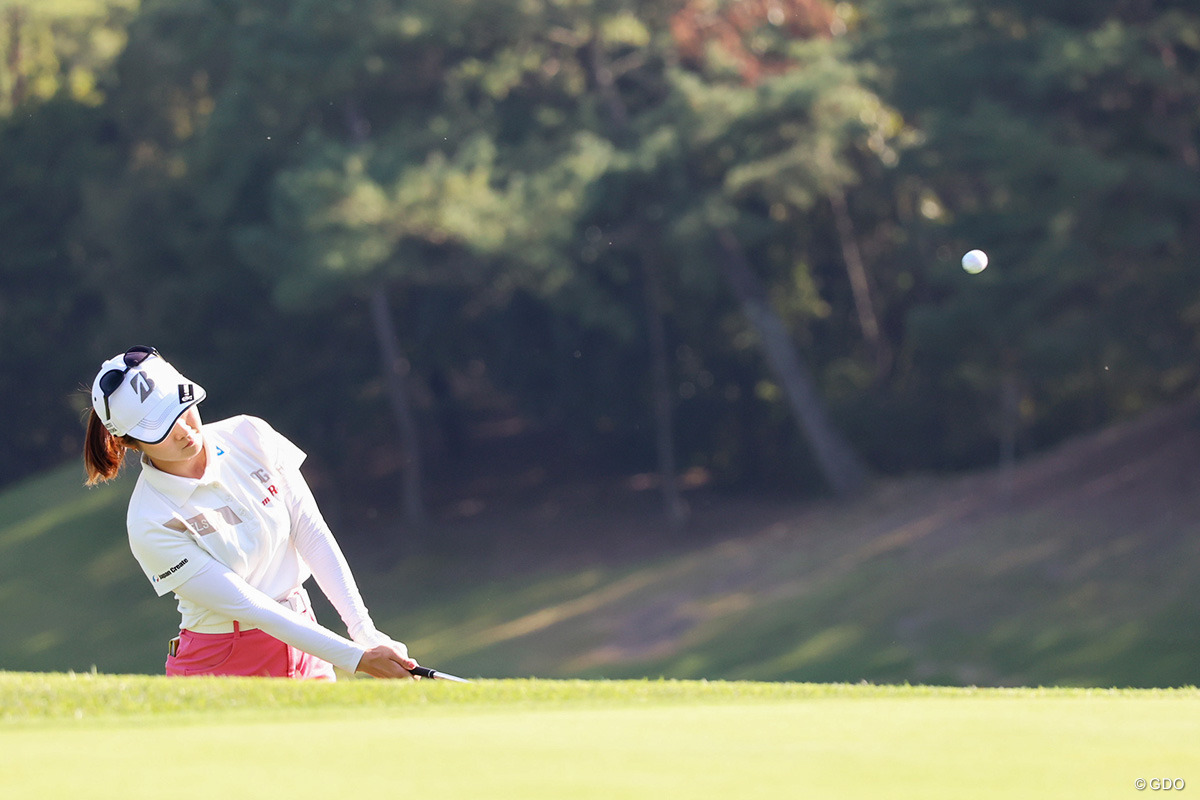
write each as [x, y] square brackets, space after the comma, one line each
[296, 600]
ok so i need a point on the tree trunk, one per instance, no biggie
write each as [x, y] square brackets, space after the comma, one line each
[16, 57]
[602, 74]
[664, 425]
[860, 285]
[395, 370]
[664, 420]
[1010, 426]
[839, 465]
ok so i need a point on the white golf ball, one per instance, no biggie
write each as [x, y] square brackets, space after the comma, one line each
[975, 262]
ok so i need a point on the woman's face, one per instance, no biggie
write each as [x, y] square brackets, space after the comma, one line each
[182, 452]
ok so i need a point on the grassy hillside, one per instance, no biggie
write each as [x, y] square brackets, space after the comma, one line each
[72, 595]
[1081, 567]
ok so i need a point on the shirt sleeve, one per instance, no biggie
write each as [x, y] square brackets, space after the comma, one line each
[281, 453]
[216, 587]
[315, 541]
[167, 556]
[316, 544]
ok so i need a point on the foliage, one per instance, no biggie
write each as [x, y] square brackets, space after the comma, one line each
[59, 48]
[50, 161]
[231, 180]
[1056, 140]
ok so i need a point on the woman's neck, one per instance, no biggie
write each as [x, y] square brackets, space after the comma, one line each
[193, 467]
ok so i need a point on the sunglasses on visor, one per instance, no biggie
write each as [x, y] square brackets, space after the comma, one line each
[112, 379]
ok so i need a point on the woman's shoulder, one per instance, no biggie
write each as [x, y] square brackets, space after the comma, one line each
[239, 423]
[244, 428]
[248, 432]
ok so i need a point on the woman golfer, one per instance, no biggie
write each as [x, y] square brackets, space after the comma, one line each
[222, 517]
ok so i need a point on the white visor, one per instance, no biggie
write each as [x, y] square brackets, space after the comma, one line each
[148, 399]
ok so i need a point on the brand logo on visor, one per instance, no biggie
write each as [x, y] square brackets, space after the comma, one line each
[110, 380]
[142, 384]
[187, 392]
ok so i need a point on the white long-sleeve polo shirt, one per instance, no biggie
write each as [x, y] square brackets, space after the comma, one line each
[247, 534]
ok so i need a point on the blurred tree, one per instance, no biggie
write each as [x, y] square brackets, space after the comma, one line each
[478, 187]
[54, 47]
[48, 309]
[591, 200]
[55, 146]
[733, 139]
[282, 129]
[1061, 138]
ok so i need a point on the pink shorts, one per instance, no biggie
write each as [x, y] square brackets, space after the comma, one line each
[245, 653]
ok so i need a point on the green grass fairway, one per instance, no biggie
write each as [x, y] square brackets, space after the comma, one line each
[104, 736]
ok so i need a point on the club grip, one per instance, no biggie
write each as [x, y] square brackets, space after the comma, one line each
[424, 672]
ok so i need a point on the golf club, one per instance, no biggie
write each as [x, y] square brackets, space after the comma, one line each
[426, 672]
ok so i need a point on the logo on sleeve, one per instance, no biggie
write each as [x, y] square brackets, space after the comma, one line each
[164, 575]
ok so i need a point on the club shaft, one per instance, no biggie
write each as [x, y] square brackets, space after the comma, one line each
[426, 672]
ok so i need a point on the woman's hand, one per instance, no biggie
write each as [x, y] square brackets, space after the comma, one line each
[387, 661]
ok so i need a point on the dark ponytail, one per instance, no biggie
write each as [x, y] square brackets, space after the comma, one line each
[103, 453]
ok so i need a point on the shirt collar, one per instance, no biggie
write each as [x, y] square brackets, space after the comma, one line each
[176, 488]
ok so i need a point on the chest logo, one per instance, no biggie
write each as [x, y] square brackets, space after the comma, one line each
[202, 527]
[227, 514]
[264, 478]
